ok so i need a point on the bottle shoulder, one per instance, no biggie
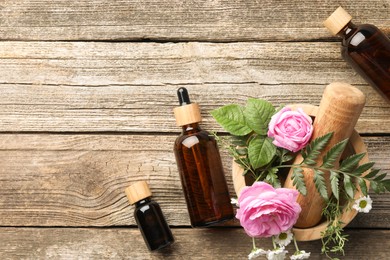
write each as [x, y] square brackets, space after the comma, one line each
[360, 34]
[200, 138]
[145, 205]
[201, 134]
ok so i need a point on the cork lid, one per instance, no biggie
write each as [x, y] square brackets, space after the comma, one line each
[138, 191]
[187, 113]
[337, 20]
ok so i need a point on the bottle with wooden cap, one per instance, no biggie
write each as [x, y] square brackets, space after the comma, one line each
[200, 167]
[149, 217]
[365, 48]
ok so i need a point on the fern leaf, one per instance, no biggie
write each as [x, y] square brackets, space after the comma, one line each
[313, 150]
[386, 184]
[363, 186]
[372, 174]
[272, 178]
[380, 177]
[334, 184]
[319, 182]
[299, 181]
[333, 154]
[348, 186]
[363, 168]
[351, 162]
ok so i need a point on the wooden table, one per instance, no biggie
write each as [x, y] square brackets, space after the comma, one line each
[87, 89]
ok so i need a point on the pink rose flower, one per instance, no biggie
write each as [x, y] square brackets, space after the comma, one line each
[265, 211]
[291, 130]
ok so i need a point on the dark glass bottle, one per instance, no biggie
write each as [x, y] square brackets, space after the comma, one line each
[365, 48]
[200, 167]
[149, 217]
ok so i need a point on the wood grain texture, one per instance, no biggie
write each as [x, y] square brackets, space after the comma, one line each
[79, 180]
[178, 20]
[127, 243]
[92, 87]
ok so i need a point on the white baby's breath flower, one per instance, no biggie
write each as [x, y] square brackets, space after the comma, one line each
[300, 255]
[363, 204]
[284, 238]
[276, 254]
[256, 253]
[234, 201]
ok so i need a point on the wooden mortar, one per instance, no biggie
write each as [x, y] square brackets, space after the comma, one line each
[339, 110]
[356, 145]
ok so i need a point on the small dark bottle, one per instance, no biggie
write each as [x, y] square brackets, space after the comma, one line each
[149, 217]
[365, 48]
[200, 167]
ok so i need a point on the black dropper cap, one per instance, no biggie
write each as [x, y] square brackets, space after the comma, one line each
[184, 98]
[187, 112]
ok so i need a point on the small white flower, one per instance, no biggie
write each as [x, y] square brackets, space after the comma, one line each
[363, 204]
[284, 238]
[256, 252]
[300, 255]
[276, 254]
[234, 201]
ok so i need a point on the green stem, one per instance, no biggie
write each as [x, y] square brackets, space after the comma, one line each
[296, 244]
[273, 242]
[254, 243]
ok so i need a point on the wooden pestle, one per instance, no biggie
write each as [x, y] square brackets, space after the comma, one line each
[339, 110]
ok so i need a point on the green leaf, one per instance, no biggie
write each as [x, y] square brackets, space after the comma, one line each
[272, 178]
[348, 186]
[375, 187]
[333, 154]
[258, 114]
[319, 182]
[239, 140]
[372, 174]
[351, 162]
[299, 181]
[241, 151]
[363, 168]
[386, 184]
[231, 118]
[284, 155]
[334, 184]
[363, 186]
[313, 150]
[380, 177]
[261, 151]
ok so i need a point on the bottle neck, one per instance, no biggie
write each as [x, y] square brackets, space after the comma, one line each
[143, 201]
[348, 30]
[191, 128]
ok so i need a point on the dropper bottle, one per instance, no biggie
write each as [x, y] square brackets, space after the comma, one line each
[149, 217]
[365, 48]
[200, 167]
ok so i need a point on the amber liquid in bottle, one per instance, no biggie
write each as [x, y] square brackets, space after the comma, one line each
[152, 224]
[367, 50]
[202, 176]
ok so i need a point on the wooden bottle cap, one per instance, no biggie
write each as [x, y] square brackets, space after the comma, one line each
[138, 191]
[337, 20]
[187, 114]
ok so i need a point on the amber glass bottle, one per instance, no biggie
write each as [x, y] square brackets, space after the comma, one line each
[200, 168]
[365, 48]
[149, 217]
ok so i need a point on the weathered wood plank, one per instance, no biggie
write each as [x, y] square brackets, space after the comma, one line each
[78, 180]
[127, 243]
[63, 86]
[179, 21]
